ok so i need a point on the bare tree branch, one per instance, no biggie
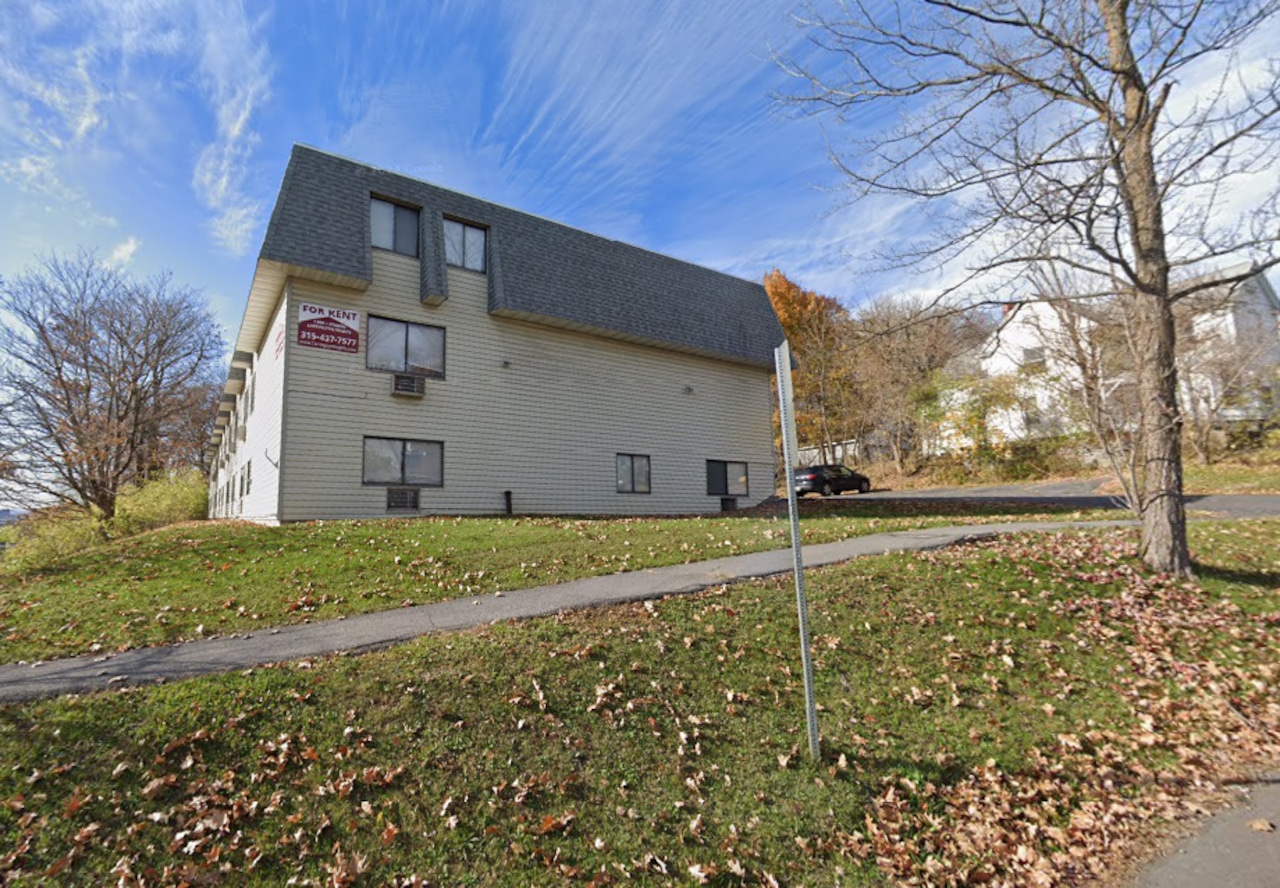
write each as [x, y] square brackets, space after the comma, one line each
[1095, 135]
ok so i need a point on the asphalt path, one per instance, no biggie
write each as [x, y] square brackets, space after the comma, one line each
[28, 681]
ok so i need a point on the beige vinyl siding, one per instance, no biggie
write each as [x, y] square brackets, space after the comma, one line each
[546, 425]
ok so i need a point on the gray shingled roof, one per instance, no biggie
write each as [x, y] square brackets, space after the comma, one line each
[539, 270]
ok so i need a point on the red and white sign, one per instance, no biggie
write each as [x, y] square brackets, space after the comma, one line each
[333, 329]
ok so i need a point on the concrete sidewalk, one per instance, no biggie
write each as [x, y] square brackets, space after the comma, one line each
[1232, 849]
[20, 682]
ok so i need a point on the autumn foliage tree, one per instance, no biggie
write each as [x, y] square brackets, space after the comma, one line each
[868, 375]
[104, 381]
[817, 327]
[900, 348]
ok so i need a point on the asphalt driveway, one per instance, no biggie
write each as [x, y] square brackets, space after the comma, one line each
[1085, 495]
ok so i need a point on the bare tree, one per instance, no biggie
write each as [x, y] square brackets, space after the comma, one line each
[104, 380]
[1074, 132]
[899, 348]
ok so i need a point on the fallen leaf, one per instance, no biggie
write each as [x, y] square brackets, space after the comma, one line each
[1261, 824]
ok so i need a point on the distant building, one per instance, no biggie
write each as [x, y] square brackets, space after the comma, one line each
[1228, 356]
[407, 349]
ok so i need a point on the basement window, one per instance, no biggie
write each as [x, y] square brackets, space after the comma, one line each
[726, 478]
[402, 499]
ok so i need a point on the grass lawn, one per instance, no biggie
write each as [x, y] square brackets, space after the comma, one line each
[211, 578]
[1233, 476]
[1248, 471]
[1005, 713]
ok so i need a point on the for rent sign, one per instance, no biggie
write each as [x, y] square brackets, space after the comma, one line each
[334, 329]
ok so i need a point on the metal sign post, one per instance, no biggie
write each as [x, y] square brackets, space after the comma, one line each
[786, 414]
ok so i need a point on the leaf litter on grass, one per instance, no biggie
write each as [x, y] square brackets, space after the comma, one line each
[1009, 713]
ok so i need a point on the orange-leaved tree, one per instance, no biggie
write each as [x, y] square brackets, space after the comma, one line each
[823, 385]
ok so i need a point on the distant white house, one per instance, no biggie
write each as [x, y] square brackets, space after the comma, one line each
[1228, 350]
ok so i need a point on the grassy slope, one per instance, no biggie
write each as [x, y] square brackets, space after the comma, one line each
[1233, 476]
[1250, 471]
[222, 577]
[644, 741]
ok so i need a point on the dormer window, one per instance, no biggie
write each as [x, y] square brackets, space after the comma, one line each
[393, 227]
[464, 245]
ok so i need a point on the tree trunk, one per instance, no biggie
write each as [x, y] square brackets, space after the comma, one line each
[1164, 521]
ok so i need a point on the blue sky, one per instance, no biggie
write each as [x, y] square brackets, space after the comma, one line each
[156, 132]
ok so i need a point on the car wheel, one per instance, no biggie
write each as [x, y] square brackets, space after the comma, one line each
[826, 489]
[864, 486]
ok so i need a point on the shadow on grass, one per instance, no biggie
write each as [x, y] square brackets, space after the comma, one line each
[1265, 578]
[918, 507]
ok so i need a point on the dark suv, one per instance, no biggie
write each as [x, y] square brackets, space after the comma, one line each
[827, 480]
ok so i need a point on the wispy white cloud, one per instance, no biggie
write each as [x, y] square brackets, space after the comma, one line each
[122, 253]
[235, 74]
[53, 102]
[609, 97]
[76, 78]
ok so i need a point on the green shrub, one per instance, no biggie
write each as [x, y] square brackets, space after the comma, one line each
[49, 535]
[1038, 458]
[1028, 460]
[183, 496]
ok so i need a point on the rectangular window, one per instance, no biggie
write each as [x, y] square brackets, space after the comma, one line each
[726, 478]
[393, 227]
[402, 347]
[633, 473]
[407, 463]
[464, 245]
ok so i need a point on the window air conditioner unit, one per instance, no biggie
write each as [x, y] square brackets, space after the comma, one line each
[408, 385]
[400, 500]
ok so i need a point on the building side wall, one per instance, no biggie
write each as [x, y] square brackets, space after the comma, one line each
[246, 480]
[265, 429]
[1257, 324]
[538, 411]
